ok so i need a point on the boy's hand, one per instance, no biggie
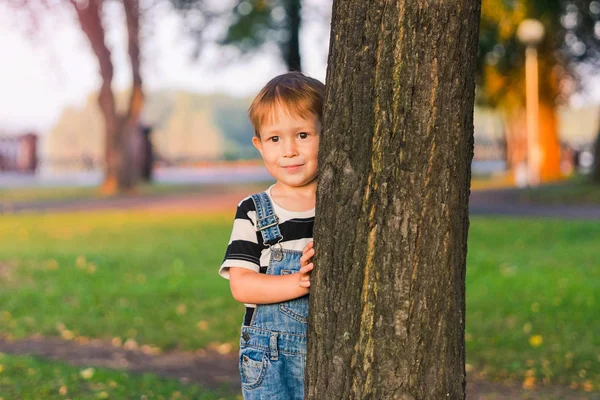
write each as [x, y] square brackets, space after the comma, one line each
[306, 265]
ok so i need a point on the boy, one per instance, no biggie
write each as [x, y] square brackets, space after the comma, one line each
[268, 260]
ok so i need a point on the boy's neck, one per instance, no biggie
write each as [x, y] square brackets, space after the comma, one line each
[295, 198]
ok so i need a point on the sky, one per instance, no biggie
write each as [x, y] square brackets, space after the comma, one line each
[42, 75]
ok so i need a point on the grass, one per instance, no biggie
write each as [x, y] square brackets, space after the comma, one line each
[533, 296]
[13, 195]
[578, 190]
[27, 378]
[533, 288]
[43, 194]
[150, 278]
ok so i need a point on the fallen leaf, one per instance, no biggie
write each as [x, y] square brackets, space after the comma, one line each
[67, 334]
[130, 344]
[181, 309]
[202, 325]
[529, 383]
[87, 373]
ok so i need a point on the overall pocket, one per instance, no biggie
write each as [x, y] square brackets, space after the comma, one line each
[297, 308]
[253, 367]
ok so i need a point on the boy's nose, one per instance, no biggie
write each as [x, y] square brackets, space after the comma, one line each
[290, 149]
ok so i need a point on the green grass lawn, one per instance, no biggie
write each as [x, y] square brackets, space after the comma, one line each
[533, 288]
[76, 193]
[27, 378]
[37, 194]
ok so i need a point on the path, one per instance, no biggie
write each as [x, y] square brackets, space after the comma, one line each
[214, 370]
[507, 202]
[500, 202]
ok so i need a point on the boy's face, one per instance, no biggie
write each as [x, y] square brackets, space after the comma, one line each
[289, 146]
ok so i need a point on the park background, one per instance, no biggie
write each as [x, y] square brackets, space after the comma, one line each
[98, 289]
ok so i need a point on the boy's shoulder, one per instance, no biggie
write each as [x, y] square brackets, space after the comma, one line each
[247, 204]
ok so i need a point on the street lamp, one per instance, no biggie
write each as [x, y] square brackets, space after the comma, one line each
[530, 32]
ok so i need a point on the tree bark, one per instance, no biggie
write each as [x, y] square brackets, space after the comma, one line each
[388, 300]
[132, 135]
[121, 131]
[516, 138]
[548, 141]
[291, 48]
[89, 17]
[596, 167]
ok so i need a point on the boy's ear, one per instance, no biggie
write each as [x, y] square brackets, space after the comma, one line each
[257, 143]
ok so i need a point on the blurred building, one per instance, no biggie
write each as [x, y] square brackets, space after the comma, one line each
[18, 152]
[184, 131]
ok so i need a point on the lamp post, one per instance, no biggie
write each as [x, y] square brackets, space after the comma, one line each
[530, 32]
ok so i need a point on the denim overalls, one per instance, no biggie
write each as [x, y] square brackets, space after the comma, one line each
[273, 346]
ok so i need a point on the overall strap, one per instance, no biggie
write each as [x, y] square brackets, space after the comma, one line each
[266, 219]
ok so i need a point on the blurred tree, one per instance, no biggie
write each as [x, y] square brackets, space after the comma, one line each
[571, 45]
[124, 141]
[258, 22]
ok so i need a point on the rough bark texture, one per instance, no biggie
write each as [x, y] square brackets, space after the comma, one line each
[388, 300]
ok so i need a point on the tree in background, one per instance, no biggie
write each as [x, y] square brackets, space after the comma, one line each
[387, 312]
[256, 24]
[571, 45]
[123, 140]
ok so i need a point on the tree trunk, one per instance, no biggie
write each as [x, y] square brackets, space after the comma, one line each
[291, 48]
[516, 139]
[388, 300]
[596, 167]
[121, 132]
[89, 17]
[132, 135]
[549, 166]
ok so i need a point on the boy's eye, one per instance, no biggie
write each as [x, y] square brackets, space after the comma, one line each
[303, 135]
[274, 138]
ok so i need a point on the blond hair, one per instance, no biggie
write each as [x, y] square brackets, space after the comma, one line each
[299, 94]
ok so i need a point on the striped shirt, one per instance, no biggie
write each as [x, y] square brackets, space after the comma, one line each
[246, 248]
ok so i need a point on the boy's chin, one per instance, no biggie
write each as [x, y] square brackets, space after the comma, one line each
[296, 183]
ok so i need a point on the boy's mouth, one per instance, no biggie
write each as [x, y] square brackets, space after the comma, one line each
[292, 166]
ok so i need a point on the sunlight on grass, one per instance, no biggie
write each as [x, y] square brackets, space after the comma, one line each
[139, 277]
[28, 378]
[149, 281]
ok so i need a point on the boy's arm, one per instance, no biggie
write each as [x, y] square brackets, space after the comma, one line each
[249, 286]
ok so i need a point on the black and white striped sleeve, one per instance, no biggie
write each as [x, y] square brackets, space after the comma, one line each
[245, 245]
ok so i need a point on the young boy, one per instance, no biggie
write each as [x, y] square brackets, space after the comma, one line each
[268, 260]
